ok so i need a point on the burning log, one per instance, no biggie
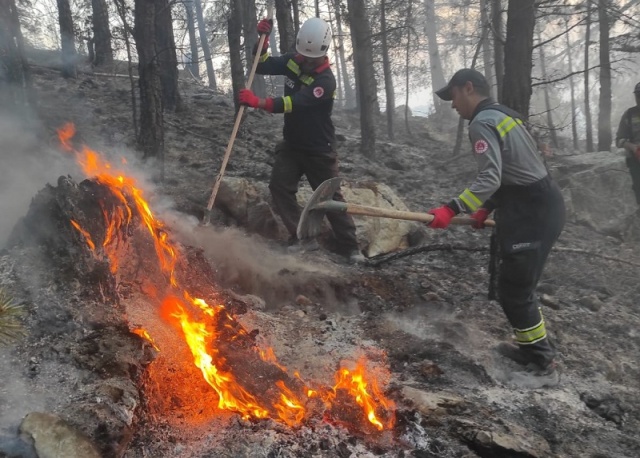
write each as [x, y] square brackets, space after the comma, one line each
[104, 232]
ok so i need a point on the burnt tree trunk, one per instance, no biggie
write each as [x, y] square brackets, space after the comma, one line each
[296, 17]
[518, 55]
[249, 23]
[127, 32]
[234, 31]
[167, 58]
[285, 26]
[604, 114]
[151, 136]
[365, 74]
[14, 72]
[103, 53]
[67, 39]
[386, 66]
[194, 64]
[407, 61]
[486, 46]
[574, 124]
[547, 97]
[204, 42]
[435, 63]
[587, 88]
[498, 45]
[349, 95]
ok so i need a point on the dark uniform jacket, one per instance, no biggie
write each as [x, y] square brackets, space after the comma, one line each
[629, 128]
[307, 103]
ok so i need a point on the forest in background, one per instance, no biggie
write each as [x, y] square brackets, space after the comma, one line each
[568, 65]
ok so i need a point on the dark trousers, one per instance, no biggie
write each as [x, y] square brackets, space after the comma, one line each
[289, 167]
[529, 221]
[634, 169]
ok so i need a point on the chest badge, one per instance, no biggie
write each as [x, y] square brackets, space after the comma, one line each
[318, 92]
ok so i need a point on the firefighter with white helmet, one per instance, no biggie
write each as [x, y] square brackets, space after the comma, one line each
[309, 146]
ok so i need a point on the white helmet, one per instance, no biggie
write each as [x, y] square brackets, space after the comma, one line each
[314, 38]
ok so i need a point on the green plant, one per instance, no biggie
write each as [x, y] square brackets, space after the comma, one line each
[10, 326]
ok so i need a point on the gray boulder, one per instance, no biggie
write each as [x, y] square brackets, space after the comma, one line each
[597, 191]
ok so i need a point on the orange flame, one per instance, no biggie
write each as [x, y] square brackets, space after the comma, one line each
[120, 185]
[201, 337]
[86, 235]
[145, 335]
[371, 400]
[231, 395]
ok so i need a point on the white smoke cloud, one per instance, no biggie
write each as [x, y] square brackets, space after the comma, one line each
[26, 165]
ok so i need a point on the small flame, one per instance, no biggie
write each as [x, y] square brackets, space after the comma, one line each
[85, 234]
[145, 335]
[367, 395]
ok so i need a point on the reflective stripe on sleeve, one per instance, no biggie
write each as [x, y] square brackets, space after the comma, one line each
[288, 105]
[470, 200]
[295, 68]
[507, 124]
[531, 335]
[263, 57]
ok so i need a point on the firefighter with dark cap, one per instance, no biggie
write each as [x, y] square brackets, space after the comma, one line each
[628, 137]
[309, 146]
[530, 212]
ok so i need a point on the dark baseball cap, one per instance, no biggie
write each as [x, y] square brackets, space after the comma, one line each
[460, 78]
[637, 89]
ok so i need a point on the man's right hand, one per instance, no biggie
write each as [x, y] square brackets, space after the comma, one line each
[265, 26]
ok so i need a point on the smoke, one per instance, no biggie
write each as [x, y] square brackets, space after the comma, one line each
[250, 265]
[15, 402]
[26, 166]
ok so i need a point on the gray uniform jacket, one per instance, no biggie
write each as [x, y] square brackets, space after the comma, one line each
[505, 152]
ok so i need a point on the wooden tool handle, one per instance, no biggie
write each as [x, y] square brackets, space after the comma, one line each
[236, 125]
[363, 210]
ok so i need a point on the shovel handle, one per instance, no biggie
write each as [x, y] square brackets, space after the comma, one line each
[352, 209]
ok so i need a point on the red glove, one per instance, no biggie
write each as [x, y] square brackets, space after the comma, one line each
[442, 217]
[248, 98]
[480, 216]
[637, 153]
[265, 26]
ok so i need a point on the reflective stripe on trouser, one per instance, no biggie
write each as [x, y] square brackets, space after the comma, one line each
[289, 167]
[529, 223]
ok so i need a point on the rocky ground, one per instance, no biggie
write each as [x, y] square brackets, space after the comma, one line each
[425, 318]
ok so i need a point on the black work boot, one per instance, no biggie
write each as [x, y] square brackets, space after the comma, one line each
[514, 353]
[529, 359]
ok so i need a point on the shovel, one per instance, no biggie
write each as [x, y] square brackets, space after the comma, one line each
[321, 202]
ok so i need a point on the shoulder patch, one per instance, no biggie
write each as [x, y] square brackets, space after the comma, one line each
[318, 92]
[480, 146]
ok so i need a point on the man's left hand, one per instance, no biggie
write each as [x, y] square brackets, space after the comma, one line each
[248, 98]
[442, 217]
[480, 216]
